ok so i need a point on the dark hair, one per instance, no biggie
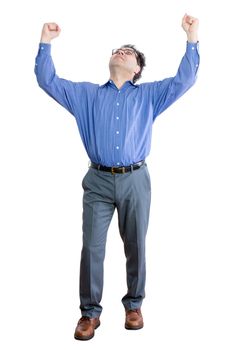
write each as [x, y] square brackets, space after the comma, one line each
[141, 61]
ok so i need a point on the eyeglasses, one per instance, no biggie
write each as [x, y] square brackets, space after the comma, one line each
[128, 52]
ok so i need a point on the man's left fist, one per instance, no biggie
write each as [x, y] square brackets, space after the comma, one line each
[190, 25]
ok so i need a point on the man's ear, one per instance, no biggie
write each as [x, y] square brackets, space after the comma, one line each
[137, 70]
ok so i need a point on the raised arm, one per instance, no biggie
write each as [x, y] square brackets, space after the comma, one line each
[167, 91]
[63, 91]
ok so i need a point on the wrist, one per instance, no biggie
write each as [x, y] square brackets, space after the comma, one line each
[192, 38]
[45, 40]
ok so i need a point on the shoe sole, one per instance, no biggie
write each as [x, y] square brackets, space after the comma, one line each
[133, 328]
[86, 338]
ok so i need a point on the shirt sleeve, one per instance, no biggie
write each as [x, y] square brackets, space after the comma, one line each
[65, 92]
[167, 91]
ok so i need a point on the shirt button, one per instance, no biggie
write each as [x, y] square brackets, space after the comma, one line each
[196, 65]
[193, 47]
[117, 118]
[118, 163]
[117, 147]
[118, 93]
[118, 103]
[42, 47]
[117, 132]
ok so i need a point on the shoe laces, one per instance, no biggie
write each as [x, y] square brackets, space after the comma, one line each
[137, 311]
[84, 318]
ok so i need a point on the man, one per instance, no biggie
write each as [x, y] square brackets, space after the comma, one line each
[115, 122]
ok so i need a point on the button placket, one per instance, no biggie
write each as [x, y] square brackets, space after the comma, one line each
[117, 132]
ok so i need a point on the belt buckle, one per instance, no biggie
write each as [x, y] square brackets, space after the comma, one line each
[114, 172]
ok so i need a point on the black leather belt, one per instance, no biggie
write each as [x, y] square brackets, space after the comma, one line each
[118, 170]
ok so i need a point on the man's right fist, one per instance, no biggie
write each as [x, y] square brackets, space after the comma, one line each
[49, 32]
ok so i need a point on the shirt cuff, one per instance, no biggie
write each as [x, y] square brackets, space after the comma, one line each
[192, 47]
[45, 48]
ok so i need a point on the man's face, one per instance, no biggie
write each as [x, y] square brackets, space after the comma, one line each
[124, 58]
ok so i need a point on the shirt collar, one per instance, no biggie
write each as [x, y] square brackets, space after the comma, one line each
[111, 83]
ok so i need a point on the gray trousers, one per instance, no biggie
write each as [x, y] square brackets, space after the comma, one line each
[130, 194]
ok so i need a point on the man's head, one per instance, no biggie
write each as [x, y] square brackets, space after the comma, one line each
[128, 60]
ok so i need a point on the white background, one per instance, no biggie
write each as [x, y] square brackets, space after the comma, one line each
[189, 244]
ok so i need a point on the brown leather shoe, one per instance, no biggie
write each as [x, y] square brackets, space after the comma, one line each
[86, 326]
[133, 319]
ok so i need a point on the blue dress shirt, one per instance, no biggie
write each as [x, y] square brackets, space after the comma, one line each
[116, 124]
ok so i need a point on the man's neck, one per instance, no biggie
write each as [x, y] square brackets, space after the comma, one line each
[119, 80]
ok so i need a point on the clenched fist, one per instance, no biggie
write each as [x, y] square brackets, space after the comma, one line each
[49, 32]
[190, 25]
